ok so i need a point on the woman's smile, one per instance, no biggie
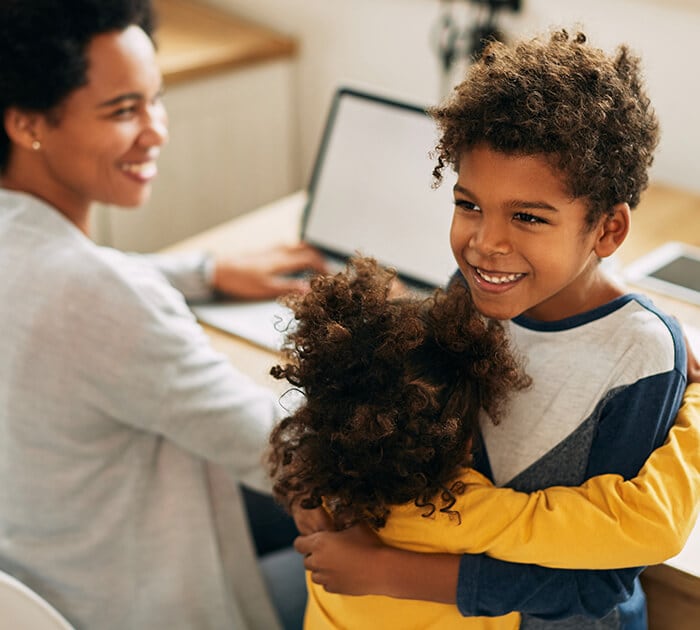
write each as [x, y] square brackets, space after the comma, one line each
[140, 171]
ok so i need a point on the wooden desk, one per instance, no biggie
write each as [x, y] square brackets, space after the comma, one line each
[673, 589]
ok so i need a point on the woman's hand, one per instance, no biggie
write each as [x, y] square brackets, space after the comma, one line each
[267, 274]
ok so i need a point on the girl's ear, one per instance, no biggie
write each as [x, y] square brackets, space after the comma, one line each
[22, 127]
[613, 230]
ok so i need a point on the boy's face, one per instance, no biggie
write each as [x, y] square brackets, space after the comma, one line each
[520, 240]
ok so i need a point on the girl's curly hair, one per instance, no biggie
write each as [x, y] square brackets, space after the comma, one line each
[587, 111]
[392, 393]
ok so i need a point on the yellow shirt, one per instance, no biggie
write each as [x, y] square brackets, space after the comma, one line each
[645, 520]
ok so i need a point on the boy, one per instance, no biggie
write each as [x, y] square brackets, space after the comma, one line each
[393, 388]
[552, 141]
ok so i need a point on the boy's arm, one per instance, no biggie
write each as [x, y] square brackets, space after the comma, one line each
[563, 593]
[633, 423]
[334, 557]
[644, 520]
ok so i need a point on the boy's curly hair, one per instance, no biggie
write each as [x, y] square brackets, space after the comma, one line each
[587, 111]
[392, 393]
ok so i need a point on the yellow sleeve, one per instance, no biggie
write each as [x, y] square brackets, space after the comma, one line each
[606, 523]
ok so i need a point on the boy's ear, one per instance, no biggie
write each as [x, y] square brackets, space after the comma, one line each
[613, 230]
[22, 127]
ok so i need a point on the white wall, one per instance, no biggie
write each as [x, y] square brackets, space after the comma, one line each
[386, 44]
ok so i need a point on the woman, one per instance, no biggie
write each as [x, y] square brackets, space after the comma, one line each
[123, 433]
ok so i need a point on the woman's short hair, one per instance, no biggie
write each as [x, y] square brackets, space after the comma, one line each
[43, 48]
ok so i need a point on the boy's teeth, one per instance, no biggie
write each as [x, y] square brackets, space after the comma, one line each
[511, 277]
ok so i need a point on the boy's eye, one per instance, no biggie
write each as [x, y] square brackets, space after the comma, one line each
[526, 217]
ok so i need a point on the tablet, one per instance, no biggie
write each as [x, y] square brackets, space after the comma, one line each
[672, 269]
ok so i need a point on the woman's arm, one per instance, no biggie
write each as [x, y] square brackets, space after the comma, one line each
[259, 275]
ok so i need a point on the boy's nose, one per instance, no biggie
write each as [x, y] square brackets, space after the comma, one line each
[491, 238]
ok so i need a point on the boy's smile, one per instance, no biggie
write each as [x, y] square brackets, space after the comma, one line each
[522, 242]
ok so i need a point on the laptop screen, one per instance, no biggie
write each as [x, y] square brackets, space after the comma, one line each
[371, 188]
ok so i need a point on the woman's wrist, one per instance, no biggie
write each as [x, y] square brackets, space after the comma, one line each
[207, 270]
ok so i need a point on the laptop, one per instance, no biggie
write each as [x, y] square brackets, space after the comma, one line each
[370, 193]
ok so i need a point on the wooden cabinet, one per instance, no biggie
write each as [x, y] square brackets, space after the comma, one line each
[229, 94]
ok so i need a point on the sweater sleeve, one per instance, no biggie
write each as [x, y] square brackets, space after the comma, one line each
[633, 423]
[190, 273]
[157, 372]
[644, 520]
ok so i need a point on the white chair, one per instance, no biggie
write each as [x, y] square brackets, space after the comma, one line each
[23, 609]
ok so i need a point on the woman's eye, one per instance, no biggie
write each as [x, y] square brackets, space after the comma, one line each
[525, 217]
[463, 204]
[124, 112]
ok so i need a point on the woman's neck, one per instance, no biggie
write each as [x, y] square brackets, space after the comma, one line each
[76, 211]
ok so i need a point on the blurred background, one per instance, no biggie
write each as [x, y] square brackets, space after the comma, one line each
[249, 84]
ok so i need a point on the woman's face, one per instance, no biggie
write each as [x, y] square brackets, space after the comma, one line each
[103, 141]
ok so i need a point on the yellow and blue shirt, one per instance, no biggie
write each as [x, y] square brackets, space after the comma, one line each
[632, 368]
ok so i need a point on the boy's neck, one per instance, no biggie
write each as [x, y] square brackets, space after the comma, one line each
[596, 290]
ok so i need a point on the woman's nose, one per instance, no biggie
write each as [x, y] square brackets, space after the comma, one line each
[155, 132]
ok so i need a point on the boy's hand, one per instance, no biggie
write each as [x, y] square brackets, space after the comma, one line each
[311, 521]
[266, 274]
[343, 562]
[355, 562]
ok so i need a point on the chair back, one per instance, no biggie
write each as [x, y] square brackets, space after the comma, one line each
[23, 608]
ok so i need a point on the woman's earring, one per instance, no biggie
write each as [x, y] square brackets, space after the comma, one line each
[36, 145]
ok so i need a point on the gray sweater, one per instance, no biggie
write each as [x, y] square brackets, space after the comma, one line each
[122, 436]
